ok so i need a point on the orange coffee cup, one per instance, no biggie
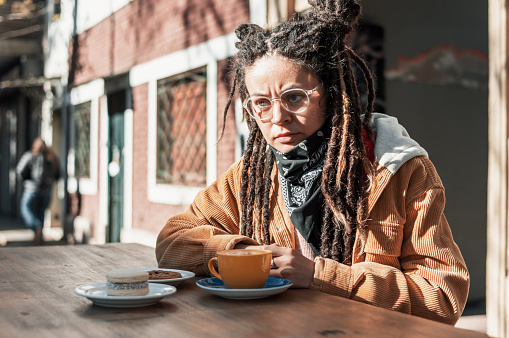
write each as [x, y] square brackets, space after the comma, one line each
[242, 268]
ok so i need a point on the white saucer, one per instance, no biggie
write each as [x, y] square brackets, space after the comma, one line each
[216, 287]
[174, 281]
[97, 294]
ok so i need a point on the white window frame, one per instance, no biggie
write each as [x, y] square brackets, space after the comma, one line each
[91, 91]
[205, 54]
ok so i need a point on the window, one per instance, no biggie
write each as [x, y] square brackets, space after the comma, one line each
[82, 113]
[83, 152]
[181, 129]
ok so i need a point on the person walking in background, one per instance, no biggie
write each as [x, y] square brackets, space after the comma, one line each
[38, 168]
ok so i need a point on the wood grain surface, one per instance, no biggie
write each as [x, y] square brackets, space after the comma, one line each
[37, 299]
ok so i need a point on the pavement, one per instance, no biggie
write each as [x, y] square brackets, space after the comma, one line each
[14, 233]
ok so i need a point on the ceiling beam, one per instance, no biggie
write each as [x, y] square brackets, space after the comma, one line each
[18, 47]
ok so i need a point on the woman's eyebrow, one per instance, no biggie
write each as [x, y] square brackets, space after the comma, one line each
[285, 88]
[259, 94]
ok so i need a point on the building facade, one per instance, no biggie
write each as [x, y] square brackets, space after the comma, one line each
[147, 85]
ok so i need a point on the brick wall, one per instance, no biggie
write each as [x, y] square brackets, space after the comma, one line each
[140, 32]
[144, 30]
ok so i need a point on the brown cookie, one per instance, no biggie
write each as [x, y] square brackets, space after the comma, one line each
[163, 274]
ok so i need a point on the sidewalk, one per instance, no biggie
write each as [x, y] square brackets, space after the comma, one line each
[14, 233]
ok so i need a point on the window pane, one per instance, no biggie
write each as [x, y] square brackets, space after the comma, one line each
[82, 140]
[181, 129]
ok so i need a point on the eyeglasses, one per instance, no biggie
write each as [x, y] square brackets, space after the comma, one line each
[295, 100]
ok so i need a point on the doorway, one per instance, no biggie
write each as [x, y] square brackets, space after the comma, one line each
[116, 108]
[8, 205]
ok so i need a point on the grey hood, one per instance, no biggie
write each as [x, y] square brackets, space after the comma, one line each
[393, 145]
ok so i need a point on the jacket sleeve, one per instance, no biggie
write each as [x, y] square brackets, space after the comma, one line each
[410, 262]
[211, 223]
[23, 166]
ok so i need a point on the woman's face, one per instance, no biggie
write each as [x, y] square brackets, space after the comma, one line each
[270, 76]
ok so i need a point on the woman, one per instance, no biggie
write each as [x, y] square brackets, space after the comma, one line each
[38, 168]
[346, 201]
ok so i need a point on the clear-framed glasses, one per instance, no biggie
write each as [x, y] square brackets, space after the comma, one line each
[295, 100]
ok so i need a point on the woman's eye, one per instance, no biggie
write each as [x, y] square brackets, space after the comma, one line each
[262, 103]
[293, 98]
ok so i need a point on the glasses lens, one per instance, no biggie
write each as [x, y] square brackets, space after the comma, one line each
[259, 106]
[295, 100]
[261, 103]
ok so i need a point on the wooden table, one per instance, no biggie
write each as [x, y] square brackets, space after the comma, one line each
[37, 299]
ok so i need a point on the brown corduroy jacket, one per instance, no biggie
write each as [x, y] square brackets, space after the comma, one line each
[409, 262]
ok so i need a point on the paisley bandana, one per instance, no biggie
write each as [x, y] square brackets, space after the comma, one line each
[300, 172]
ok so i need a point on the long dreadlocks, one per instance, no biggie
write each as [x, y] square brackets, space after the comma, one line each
[316, 41]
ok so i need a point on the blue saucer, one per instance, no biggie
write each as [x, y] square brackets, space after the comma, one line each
[216, 287]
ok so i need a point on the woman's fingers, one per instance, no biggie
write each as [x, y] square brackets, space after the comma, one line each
[292, 265]
[289, 264]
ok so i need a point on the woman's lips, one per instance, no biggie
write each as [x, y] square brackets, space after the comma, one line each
[286, 137]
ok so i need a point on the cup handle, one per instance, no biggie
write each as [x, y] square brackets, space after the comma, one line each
[212, 269]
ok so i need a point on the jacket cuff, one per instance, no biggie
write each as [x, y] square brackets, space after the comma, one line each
[223, 242]
[332, 277]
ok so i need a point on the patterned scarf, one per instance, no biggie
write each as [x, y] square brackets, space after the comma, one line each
[300, 171]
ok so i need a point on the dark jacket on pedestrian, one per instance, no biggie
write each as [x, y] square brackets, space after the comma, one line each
[37, 172]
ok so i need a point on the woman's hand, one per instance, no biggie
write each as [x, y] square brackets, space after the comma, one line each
[289, 264]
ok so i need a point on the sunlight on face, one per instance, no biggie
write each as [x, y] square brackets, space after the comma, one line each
[270, 76]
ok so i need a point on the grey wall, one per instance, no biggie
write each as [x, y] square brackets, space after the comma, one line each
[449, 121]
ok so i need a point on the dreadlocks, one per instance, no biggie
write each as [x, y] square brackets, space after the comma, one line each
[316, 41]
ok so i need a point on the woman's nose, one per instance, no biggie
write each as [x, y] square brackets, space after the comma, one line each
[279, 113]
